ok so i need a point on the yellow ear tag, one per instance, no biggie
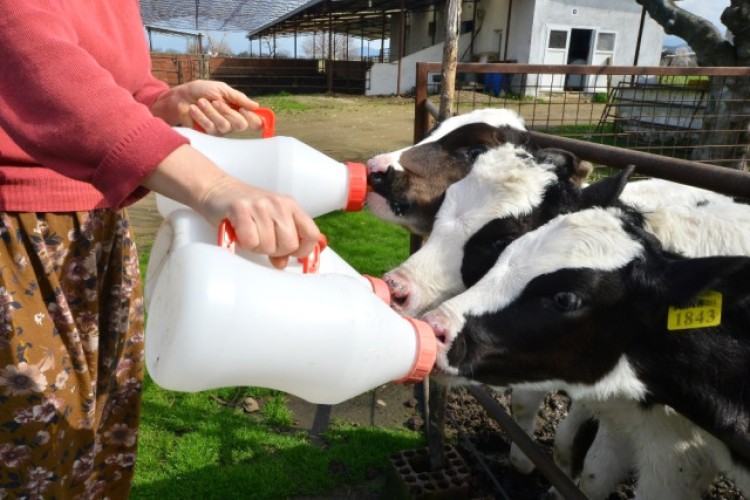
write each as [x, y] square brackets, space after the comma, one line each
[705, 313]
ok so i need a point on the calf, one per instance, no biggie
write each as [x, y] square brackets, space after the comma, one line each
[407, 186]
[583, 303]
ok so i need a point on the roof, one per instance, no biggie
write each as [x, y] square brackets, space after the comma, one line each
[216, 15]
[364, 18]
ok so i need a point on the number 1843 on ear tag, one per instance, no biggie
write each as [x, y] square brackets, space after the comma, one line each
[705, 313]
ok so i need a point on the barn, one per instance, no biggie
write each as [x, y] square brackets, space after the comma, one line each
[559, 32]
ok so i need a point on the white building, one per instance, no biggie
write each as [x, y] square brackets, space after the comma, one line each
[558, 32]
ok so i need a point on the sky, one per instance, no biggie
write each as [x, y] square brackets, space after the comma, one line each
[708, 9]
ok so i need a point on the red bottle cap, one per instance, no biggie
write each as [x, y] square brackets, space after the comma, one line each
[380, 288]
[357, 186]
[426, 352]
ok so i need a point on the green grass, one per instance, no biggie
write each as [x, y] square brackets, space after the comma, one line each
[283, 102]
[368, 244]
[203, 446]
[599, 97]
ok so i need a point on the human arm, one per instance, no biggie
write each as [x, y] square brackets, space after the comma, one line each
[264, 222]
[69, 99]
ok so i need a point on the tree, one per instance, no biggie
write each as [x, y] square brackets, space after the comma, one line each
[211, 46]
[317, 46]
[722, 125]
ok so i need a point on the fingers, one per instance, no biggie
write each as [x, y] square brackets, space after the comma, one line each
[279, 262]
[254, 121]
[240, 100]
[219, 118]
[274, 225]
[307, 232]
[214, 121]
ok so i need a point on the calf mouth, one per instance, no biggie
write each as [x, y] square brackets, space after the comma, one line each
[390, 185]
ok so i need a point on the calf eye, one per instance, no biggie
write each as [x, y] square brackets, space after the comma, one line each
[567, 301]
[471, 153]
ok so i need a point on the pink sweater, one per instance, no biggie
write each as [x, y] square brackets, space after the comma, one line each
[76, 132]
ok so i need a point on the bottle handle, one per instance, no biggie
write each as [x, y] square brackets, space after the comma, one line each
[268, 129]
[310, 263]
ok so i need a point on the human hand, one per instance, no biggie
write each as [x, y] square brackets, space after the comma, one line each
[264, 222]
[215, 106]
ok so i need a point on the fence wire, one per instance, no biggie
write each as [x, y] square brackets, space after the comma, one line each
[699, 114]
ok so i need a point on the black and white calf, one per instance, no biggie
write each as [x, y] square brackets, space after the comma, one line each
[508, 193]
[591, 303]
[407, 186]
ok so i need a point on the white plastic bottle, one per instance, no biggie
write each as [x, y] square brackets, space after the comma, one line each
[219, 320]
[184, 226]
[284, 165]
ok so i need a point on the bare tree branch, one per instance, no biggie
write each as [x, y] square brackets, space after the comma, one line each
[711, 49]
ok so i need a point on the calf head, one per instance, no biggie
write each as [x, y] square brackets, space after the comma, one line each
[407, 186]
[508, 193]
[576, 304]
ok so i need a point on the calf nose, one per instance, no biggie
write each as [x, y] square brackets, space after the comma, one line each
[379, 163]
[440, 325]
[380, 177]
[399, 288]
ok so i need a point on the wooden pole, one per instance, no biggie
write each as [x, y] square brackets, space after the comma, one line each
[450, 57]
[401, 52]
[435, 393]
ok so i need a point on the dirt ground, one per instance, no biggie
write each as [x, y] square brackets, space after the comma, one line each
[355, 129]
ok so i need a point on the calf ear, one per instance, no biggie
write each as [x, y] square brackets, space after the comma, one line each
[607, 191]
[567, 166]
[686, 278]
[511, 135]
[581, 172]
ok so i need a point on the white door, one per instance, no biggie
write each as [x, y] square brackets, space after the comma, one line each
[602, 55]
[555, 52]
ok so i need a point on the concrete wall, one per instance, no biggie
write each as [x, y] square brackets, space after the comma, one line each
[622, 17]
[383, 76]
[522, 31]
[530, 20]
[491, 22]
[528, 28]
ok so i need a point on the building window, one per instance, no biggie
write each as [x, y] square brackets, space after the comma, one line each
[431, 28]
[467, 27]
[605, 42]
[557, 39]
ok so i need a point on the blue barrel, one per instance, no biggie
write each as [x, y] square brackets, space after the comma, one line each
[494, 83]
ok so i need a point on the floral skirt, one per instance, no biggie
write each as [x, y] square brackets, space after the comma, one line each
[71, 354]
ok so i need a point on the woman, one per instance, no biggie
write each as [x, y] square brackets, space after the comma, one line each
[85, 130]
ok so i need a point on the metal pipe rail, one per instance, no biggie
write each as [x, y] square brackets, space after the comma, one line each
[543, 463]
[720, 179]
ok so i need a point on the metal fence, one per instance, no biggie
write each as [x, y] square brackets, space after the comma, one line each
[688, 113]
